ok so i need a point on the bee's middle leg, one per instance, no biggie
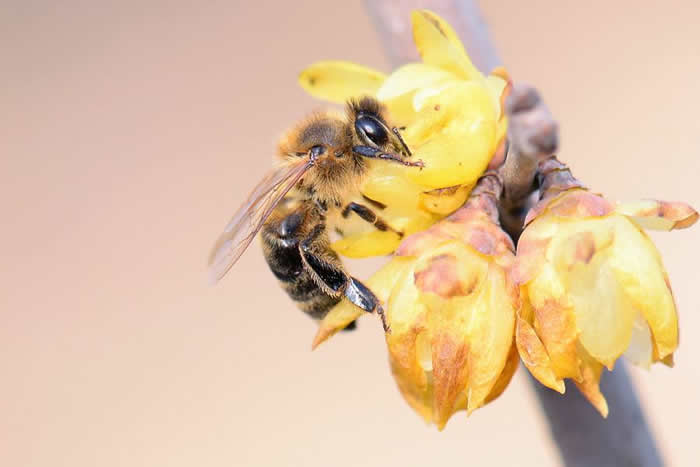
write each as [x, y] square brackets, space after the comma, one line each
[334, 280]
[369, 216]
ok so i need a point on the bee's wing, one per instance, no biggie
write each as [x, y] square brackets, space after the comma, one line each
[250, 217]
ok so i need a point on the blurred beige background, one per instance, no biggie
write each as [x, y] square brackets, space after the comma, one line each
[130, 131]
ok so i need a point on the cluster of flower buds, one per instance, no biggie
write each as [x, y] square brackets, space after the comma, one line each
[584, 286]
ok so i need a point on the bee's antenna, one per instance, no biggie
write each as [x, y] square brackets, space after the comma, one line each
[403, 143]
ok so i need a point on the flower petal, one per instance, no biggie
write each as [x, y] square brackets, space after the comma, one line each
[554, 321]
[345, 312]
[641, 348]
[589, 385]
[533, 352]
[604, 315]
[445, 201]
[411, 77]
[338, 81]
[659, 215]
[366, 244]
[638, 269]
[454, 136]
[439, 45]
[509, 370]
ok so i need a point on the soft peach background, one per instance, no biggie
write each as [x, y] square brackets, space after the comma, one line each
[130, 131]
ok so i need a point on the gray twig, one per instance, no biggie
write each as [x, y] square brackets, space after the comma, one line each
[581, 435]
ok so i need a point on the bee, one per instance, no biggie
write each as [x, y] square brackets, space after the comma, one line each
[322, 162]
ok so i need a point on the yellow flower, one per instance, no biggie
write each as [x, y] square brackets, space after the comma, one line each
[593, 288]
[454, 122]
[451, 307]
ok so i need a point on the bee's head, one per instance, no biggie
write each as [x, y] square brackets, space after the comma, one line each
[372, 135]
[323, 137]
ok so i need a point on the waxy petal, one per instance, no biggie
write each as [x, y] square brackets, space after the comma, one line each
[641, 348]
[444, 201]
[344, 313]
[439, 45]
[554, 321]
[338, 81]
[533, 352]
[659, 215]
[589, 384]
[455, 136]
[411, 77]
[638, 269]
[363, 245]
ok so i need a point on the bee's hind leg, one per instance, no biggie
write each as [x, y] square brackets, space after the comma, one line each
[330, 275]
[359, 295]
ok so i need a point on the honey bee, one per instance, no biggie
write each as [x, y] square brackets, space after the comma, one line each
[322, 162]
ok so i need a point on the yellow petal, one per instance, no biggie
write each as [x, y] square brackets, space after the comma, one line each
[589, 385]
[659, 215]
[604, 315]
[388, 184]
[454, 136]
[337, 81]
[641, 348]
[439, 45]
[533, 352]
[345, 312]
[497, 86]
[409, 342]
[642, 276]
[491, 331]
[509, 370]
[367, 244]
[411, 77]
[554, 321]
[445, 201]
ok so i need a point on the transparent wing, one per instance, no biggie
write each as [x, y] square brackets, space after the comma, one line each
[250, 217]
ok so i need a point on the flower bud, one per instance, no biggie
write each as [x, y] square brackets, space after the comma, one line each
[593, 286]
[451, 308]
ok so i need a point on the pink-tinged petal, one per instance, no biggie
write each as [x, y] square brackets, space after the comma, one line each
[659, 215]
[589, 384]
[580, 203]
[450, 372]
[530, 256]
[573, 203]
[441, 276]
[415, 244]
[533, 352]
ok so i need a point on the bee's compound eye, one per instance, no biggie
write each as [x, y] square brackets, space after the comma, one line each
[371, 129]
[317, 150]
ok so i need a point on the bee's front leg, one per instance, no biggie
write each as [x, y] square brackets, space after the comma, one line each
[330, 275]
